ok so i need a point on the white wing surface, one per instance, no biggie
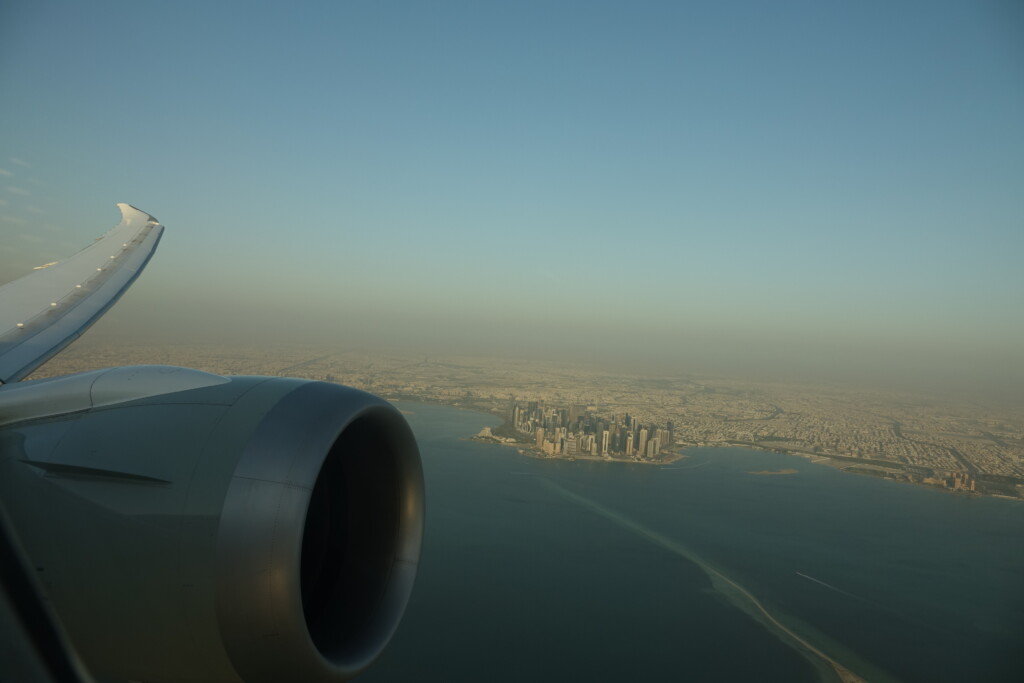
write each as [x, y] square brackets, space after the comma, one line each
[47, 309]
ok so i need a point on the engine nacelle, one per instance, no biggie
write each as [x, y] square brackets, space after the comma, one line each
[191, 527]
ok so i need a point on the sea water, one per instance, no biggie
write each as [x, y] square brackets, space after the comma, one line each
[550, 570]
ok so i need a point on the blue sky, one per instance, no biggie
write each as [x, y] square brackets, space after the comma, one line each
[688, 180]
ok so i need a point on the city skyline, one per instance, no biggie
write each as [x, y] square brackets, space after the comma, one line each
[953, 441]
[580, 430]
[796, 189]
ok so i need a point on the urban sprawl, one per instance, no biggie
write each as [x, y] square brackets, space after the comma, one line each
[561, 410]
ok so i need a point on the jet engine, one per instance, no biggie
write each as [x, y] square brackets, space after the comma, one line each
[193, 527]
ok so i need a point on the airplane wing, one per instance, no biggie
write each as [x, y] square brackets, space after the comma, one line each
[49, 308]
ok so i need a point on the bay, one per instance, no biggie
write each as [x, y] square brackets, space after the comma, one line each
[551, 570]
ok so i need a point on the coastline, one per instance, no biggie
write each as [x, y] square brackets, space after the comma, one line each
[859, 466]
[884, 469]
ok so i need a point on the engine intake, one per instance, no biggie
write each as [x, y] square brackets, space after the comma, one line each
[339, 558]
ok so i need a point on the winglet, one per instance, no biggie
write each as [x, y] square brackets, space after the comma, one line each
[44, 311]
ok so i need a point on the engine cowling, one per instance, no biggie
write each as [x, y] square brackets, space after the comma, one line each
[191, 527]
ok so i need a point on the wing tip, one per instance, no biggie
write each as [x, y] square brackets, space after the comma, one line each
[130, 213]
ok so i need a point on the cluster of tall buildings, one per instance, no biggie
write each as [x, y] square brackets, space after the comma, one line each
[578, 431]
[957, 481]
[960, 481]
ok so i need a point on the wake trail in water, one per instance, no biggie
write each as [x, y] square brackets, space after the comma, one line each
[690, 467]
[830, 586]
[693, 467]
[739, 595]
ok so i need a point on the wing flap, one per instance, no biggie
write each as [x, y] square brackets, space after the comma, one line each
[47, 309]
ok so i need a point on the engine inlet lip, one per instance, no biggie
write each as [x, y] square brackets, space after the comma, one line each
[266, 631]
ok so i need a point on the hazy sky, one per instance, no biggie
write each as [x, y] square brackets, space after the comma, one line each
[778, 184]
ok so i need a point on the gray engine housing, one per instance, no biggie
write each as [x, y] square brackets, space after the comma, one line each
[191, 527]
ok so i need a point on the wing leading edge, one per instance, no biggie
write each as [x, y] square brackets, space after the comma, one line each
[44, 311]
